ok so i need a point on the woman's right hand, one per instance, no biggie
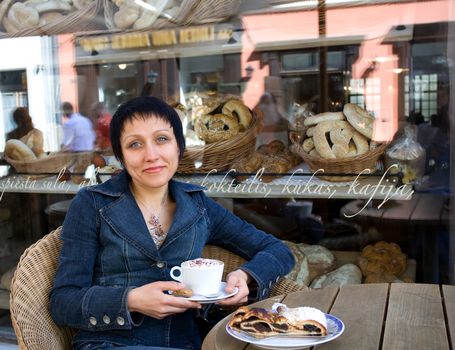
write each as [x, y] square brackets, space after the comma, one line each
[152, 300]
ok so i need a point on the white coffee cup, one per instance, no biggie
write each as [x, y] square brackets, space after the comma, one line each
[202, 276]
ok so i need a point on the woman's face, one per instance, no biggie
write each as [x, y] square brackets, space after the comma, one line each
[150, 151]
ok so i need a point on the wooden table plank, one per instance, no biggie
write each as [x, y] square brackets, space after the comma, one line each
[400, 210]
[415, 318]
[429, 209]
[321, 299]
[448, 293]
[362, 309]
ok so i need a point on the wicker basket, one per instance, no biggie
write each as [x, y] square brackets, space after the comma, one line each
[190, 12]
[220, 155]
[75, 21]
[53, 163]
[352, 165]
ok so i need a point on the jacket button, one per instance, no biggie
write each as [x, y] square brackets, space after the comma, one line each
[92, 321]
[277, 279]
[106, 319]
[160, 264]
[120, 320]
[270, 284]
[264, 292]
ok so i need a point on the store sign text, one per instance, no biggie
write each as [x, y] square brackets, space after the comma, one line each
[155, 39]
[296, 186]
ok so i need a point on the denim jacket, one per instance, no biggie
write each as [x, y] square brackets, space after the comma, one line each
[107, 250]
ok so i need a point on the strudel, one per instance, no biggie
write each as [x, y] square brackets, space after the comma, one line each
[261, 323]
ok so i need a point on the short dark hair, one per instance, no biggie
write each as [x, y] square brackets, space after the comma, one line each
[144, 107]
[67, 108]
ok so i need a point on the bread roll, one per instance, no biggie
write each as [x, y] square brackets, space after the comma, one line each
[346, 274]
[17, 150]
[320, 259]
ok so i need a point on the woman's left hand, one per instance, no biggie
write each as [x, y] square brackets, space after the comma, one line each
[239, 279]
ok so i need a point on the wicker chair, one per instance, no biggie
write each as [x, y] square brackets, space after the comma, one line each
[33, 281]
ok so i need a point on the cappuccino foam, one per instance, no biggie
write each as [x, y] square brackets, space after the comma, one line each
[202, 263]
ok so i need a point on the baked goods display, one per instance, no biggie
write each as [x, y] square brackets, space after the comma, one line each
[215, 122]
[407, 156]
[40, 16]
[261, 323]
[338, 135]
[382, 262]
[318, 267]
[339, 145]
[273, 157]
[129, 14]
[217, 127]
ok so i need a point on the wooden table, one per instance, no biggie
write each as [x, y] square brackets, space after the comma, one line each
[398, 316]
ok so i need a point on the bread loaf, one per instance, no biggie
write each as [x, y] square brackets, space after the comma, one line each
[300, 272]
[17, 150]
[346, 274]
[320, 259]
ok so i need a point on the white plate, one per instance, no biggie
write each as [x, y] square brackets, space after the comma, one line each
[220, 296]
[335, 328]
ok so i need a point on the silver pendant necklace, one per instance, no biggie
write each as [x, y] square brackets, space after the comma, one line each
[156, 229]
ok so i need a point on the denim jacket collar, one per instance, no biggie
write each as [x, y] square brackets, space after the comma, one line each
[123, 214]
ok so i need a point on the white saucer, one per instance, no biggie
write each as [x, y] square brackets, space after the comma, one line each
[220, 296]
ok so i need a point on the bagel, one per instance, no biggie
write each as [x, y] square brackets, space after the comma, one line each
[22, 16]
[323, 117]
[341, 133]
[17, 150]
[308, 144]
[353, 142]
[218, 127]
[360, 119]
[241, 111]
[4, 5]
[310, 131]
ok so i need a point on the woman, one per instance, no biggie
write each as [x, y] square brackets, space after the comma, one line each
[121, 238]
[101, 120]
[26, 132]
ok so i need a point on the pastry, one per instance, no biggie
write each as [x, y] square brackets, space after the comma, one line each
[324, 117]
[320, 259]
[218, 127]
[308, 144]
[360, 119]
[237, 108]
[382, 262]
[343, 141]
[17, 150]
[186, 293]
[261, 323]
[346, 274]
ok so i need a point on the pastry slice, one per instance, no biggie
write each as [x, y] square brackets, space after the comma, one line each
[261, 323]
[304, 320]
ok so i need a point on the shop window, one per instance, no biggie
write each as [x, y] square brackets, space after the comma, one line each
[423, 95]
[366, 93]
[13, 94]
